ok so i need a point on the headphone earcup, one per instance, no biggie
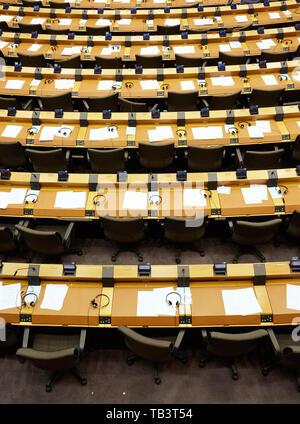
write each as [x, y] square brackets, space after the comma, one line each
[169, 302]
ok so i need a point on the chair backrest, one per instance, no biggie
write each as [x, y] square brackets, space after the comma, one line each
[234, 345]
[123, 230]
[128, 106]
[178, 231]
[156, 156]
[107, 161]
[146, 347]
[178, 101]
[262, 159]
[265, 98]
[205, 158]
[30, 27]
[73, 62]
[153, 61]
[32, 60]
[98, 104]
[58, 31]
[296, 149]
[251, 233]
[7, 242]
[4, 27]
[44, 242]
[224, 102]
[109, 62]
[188, 61]
[293, 228]
[6, 102]
[97, 30]
[168, 30]
[274, 57]
[230, 59]
[58, 5]
[47, 160]
[12, 154]
[28, 3]
[62, 101]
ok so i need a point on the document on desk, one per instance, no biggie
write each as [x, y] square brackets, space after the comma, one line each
[172, 22]
[14, 84]
[241, 18]
[185, 295]
[160, 133]
[159, 297]
[194, 197]
[149, 85]
[224, 190]
[4, 199]
[3, 44]
[5, 18]
[37, 21]
[265, 126]
[10, 296]
[130, 130]
[11, 131]
[35, 83]
[293, 297]
[68, 51]
[224, 48]
[70, 199]
[266, 44]
[106, 133]
[124, 21]
[64, 84]
[48, 133]
[159, 1]
[275, 192]
[135, 200]
[203, 21]
[64, 131]
[103, 22]
[65, 22]
[105, 84]
[17, 196]
[235, 44]
[254, 194]
[34, 48]
[32, 293]
[107, 51]
[54, 296]
[269, 80]
[184, 49]
[207, 133]
[187, 85]
[255, 132]
[149, 50]
[274, 15]
[222, 80]
[240, 302]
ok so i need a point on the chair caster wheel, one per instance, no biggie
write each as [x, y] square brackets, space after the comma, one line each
[22, 360]
[48, 388]
[265, 372]
[235, 377]
[83, 381]
[202, 254]
[79, 253]
[235, 261]
[140, 258]
[114, 258]
[201, 364]
[178, 261]
[157, 380]
[298, 388]
[130, 362]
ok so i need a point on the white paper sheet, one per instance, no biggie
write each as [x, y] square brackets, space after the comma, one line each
[103, 22]
[187, 85]
[135, 200]
[48, 133]
[4, 199]
[10, 296]
[70, 199]
[105, 84]
[184, 49]
[264, 125]
[65, 22]
[64, 84]
[224, 48]
[255, 132]
[241, 18]
[194, 197]
[240, 302]
[37, 21]
[68, 51]
[204, 21]
[149, 85]
[3, 44]
[64, 131]
[224, 190]
[274, 15]
[265, 44]
[130, 130]
[35, 83]
[160, 133]
[254, 194]
[261, 190]
[17, 196]
[172, 22]
[269, 79]
[98, 134]
[222, 80]
[14, 84]
[207, 133]
[54, 296]
[287, 12]
[275, 192]
[31, 290]
[34, 48]
[235, 44]
[293, 297]
[124, 21]
[151, 50]
[11, 131]
[5, 18]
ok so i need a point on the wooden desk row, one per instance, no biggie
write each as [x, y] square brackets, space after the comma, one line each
[207, 81]
[162, 195]
[147, 20]
[228, 128]
[203, 46]
[121, 285]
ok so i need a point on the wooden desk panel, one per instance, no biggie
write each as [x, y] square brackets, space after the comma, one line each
[292, 198]
[277, 294]
[44, 207]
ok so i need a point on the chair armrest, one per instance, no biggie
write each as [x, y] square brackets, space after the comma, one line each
[205, 102]
[274, 342]
[82, 341]
[178, 340]
[68, 157]
[40, 103]
[68, 234]
[230, 226]
[85, 104]
[154, 107]
[239, 157]
[204, 336]
[27, 104]
[26, 335]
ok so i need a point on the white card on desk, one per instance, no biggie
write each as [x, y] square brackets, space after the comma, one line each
[17, 196]
[10, 296]
[160, 133]
[130, 130]
[5, 18]
[35, 83]
[14, 84]
[287, 12]
[269, 80]
[255, 132]
[4, 199]
[274, 15]
[146, 305]
[187, 85]
[240, 302]
[222, 80]
[48, 133]
[54, 296]
[224, 48]
[241, 18]
[265, 126]
[203, 21]
[3, 44]
[149, 85]
[235, 44]
[172, 22]
[207, 133]
[124, 22]
[70, 199]
[224, 190]
[135, 200]
[261, 191]
[106, 133]
[194, 197]
[37, 21]
[266, 44]
[34, 48]
[64, 84]
[149, 50]
[103, 22]
[275, 192]
[105, 84]
[293, 296]
[65, 22]
[11, 131]
[184, 49]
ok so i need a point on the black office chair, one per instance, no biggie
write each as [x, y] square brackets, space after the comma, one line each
[168, 30]
[5, 27]
[8, 240]
[286, 353]
[109, 62]
[295, 154]
[62, 101]
[266, 98]
[154, 350]
[58, 31]
[156, 156]
[73, 62]
[58, 5]
[188, 61]
[223, 102]
[98, 104]
[205, 158]
[6, 102]
[49, 160]
[230, 346]
[178, 101]
[293, 225]
[269, 159]
[230, 59]
[52, 240]
[30, 28]
[248, 234]
[154, 61]
[12, 155]
[108, 161]
[57, 352]
[184, 235]
[126, 232]
[274, 57]
[28, 3]
[11, 342]
[129, 106]
[97, 30]
[33, 60]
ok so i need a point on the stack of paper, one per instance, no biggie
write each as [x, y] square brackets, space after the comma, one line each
[64, 84]
[151, 50]
[269, 80]
[240, 302]
[207, 133]
[172, 22]
[194, 197]
[135, 200]
[14, 84]
[70, 199]
[256, 193]
[184, 49]
[187, 85]
[11, 131]
[54, 296]
[293, 297]
[265, 44]
[149, 85]
[10, 296]
[203, 21]
[106, 133]
[222, 80]
[160, 133]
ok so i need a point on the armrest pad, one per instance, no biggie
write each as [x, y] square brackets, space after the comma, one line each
[178, 340]
[239, 157]
[82, 340]
[275, 345]
[204, 336]
[26, 337]
[68, 233]
[230, 225]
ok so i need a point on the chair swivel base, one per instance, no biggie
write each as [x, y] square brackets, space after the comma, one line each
[132, 358]
[127, 249]
[243, 250]
[57, 374]
[187, 247]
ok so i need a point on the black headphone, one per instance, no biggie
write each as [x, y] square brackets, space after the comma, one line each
[129, 84]
[31, 194]
[33, 130]
[33, 302]
[95, 304]
[244, 124]
[64, 131]
[97, 202]
[112, 128]
[181, 133]
[233, 130]
[283, 77]
[285, 189]
[165, 86]
[155, 199]
[169, 302]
